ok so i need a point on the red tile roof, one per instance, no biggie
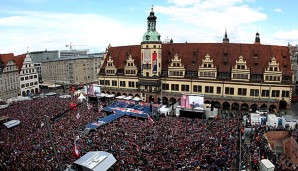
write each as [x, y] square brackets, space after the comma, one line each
[252, 53]
[10, 56]
[19, 61]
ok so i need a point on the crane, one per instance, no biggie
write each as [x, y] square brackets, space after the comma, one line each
[71, 46]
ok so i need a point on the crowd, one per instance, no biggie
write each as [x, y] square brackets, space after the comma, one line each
[171, 143]
[258, 148]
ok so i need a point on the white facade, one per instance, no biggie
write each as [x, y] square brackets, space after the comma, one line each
[29, 84]
[9, 81]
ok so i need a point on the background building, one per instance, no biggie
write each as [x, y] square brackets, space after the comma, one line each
[42, 56]
[10, 66]
[29, 84]
[231, 76]
[72, 70]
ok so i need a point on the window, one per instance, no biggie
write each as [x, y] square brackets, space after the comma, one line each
[122, 83]
[285, 94]
[254, 92]
[242, 91]
[165, 86]
[197, 88]
[22, 78]
[131, 84]
[107, 82]
[101, 82]
[184, 87]
[265, 93]
[208, 89]
[23, 85]
[229, 90]
[114, 83]
[275, 93]
[175, 87]
[218, 90]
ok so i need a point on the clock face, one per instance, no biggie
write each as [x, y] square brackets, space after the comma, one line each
[147, 58]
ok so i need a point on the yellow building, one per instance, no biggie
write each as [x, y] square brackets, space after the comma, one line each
[232, 76]
[71, 70]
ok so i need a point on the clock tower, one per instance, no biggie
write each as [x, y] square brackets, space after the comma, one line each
[151, 49]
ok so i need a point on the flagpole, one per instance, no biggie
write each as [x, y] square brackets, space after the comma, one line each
[51, 140]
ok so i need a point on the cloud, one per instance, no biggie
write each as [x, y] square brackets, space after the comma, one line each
[205, 20]
[212, 14]
[291, 36]
[278, 10]
[52, 31]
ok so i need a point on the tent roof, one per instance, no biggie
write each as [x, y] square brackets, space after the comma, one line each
[96, 160]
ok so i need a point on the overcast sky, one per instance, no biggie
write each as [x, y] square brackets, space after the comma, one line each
[37, 25]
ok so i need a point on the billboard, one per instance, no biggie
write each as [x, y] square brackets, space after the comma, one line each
[192, 101]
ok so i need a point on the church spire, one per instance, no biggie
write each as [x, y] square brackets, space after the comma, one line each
[225, 39]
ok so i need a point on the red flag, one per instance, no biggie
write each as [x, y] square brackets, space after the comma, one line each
[150, 119]
[75, 148]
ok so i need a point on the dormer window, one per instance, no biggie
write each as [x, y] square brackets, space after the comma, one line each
[225, 52]
[283, 54]
[147, 37]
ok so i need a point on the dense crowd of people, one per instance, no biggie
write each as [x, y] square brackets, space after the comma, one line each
[258, 148]
[171, 143]
[168, 144]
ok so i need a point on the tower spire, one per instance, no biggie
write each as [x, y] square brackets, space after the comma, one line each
[226, 39]
[257, 39]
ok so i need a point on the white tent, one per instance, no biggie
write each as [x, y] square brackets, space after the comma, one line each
[12, 123]
[137, 98]
[255, 119]
[128, 98]
[110, 95]
[51, 94]
[104, 95]
[288, 121]
[77, 93]
[65, 96]
[19, 98]
[272, 120]
[81, 98]
[120, 97]
[96, 161]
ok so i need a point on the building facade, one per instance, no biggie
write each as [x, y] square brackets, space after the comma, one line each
[9, 77]
[231, 76]
[72, 70]
[29, 81]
